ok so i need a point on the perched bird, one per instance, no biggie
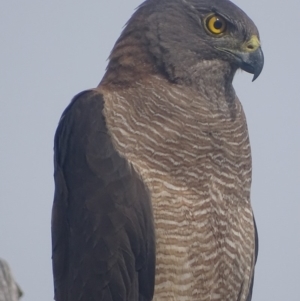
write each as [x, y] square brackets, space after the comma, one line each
[153, 167]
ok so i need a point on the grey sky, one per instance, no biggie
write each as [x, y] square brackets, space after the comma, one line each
[51, 50]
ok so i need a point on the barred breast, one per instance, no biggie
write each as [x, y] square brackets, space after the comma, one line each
[194, 155]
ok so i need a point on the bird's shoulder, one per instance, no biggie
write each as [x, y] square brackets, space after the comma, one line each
[102, 222]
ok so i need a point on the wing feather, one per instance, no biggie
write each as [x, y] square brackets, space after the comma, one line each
[249, 298]
[102, 222]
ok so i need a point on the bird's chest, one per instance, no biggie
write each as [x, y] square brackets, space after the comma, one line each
[187, 143]
[196, 162]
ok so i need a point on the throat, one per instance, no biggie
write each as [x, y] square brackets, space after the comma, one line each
[211, 79]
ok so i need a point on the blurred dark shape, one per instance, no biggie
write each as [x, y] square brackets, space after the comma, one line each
[9, 289]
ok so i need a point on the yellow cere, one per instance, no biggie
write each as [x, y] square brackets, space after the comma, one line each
[252, 44]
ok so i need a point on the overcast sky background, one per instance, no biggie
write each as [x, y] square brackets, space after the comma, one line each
[51, 50]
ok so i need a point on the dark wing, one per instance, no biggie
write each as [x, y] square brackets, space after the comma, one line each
[102, 223]
[249, 298]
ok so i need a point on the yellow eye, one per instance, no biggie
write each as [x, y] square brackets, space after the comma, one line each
[216, 24]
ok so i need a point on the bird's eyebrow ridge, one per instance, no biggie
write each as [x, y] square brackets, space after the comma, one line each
[225, 16]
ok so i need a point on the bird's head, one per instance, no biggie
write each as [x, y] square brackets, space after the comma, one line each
[187, 37]
[229, 33]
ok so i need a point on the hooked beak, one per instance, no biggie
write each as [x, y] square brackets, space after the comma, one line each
[250, 58]
[252, 62]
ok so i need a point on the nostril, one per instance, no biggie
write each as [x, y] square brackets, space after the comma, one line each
[251, 47]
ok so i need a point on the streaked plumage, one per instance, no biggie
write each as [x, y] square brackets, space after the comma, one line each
[153, 167]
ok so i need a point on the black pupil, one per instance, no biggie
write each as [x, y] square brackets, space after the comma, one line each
[218, 24]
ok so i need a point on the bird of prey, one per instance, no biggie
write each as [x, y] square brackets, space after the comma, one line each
[153, 167]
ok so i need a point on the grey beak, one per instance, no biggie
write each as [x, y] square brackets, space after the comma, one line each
[252, 62]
